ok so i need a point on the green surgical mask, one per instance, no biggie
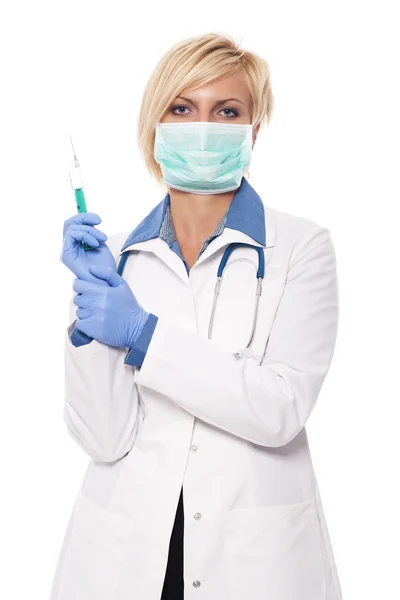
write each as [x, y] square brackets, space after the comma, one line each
[203, 157]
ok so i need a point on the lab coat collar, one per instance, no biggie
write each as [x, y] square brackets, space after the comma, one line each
[246, 214]
[246, 222]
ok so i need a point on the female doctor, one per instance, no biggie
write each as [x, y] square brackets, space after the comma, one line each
[197, 348]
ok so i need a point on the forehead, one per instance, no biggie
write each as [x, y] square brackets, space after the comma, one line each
[231, 86]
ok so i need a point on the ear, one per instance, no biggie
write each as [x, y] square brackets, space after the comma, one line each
[255, 133]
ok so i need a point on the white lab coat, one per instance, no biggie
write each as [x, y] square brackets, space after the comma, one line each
[231, 431]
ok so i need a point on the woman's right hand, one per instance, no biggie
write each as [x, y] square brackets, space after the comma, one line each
[78, 229]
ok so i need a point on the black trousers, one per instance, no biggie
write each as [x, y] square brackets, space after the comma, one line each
[173, 582]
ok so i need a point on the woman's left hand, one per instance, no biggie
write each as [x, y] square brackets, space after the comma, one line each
[110, 314]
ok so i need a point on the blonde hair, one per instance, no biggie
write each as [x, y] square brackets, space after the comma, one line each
[194, 62]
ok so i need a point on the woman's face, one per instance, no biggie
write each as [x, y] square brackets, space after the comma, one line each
[226, 100]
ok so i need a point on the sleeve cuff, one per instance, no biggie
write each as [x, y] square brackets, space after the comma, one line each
[137, 353]
[77, 337]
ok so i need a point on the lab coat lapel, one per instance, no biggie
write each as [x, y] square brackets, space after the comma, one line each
[161, 249]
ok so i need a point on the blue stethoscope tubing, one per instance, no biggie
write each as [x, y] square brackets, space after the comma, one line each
[260, 276]
[228, 251]
[122, 261]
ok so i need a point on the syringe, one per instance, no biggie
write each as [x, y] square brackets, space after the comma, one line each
[77, 185]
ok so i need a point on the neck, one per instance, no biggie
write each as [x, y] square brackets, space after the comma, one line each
[195, 216]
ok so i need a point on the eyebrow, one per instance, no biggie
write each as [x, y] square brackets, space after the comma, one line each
[216, 104]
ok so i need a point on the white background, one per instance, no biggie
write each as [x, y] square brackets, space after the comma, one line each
[331, 154]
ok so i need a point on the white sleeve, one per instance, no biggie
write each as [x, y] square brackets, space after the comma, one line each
[101, 407]
[267, 404]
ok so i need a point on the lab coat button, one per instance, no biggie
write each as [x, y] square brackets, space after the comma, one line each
[197, 516]
[193, 448]
[196, 584]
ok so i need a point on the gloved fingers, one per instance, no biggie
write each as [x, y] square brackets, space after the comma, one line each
[76, 235]
[99, 235]
[88, 218]
[80, 286]
[84, 313]
[77, 299]
[107, 274]
[96, 233]
[83, 300]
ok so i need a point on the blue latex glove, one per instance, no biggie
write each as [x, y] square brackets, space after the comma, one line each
[110, 314]
[80, 228]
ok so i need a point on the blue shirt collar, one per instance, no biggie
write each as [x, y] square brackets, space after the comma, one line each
[246, 213]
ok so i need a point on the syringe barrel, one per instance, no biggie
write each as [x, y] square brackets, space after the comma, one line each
[76, 178]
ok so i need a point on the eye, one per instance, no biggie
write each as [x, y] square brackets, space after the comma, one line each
[230, 110]
[179, 107]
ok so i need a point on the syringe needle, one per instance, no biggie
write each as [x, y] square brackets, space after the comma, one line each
[73, 149]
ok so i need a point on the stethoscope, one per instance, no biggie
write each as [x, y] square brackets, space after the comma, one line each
[230, 248]
[260, 276]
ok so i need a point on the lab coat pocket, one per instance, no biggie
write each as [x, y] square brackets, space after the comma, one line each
[275, 553]
[96, 553]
